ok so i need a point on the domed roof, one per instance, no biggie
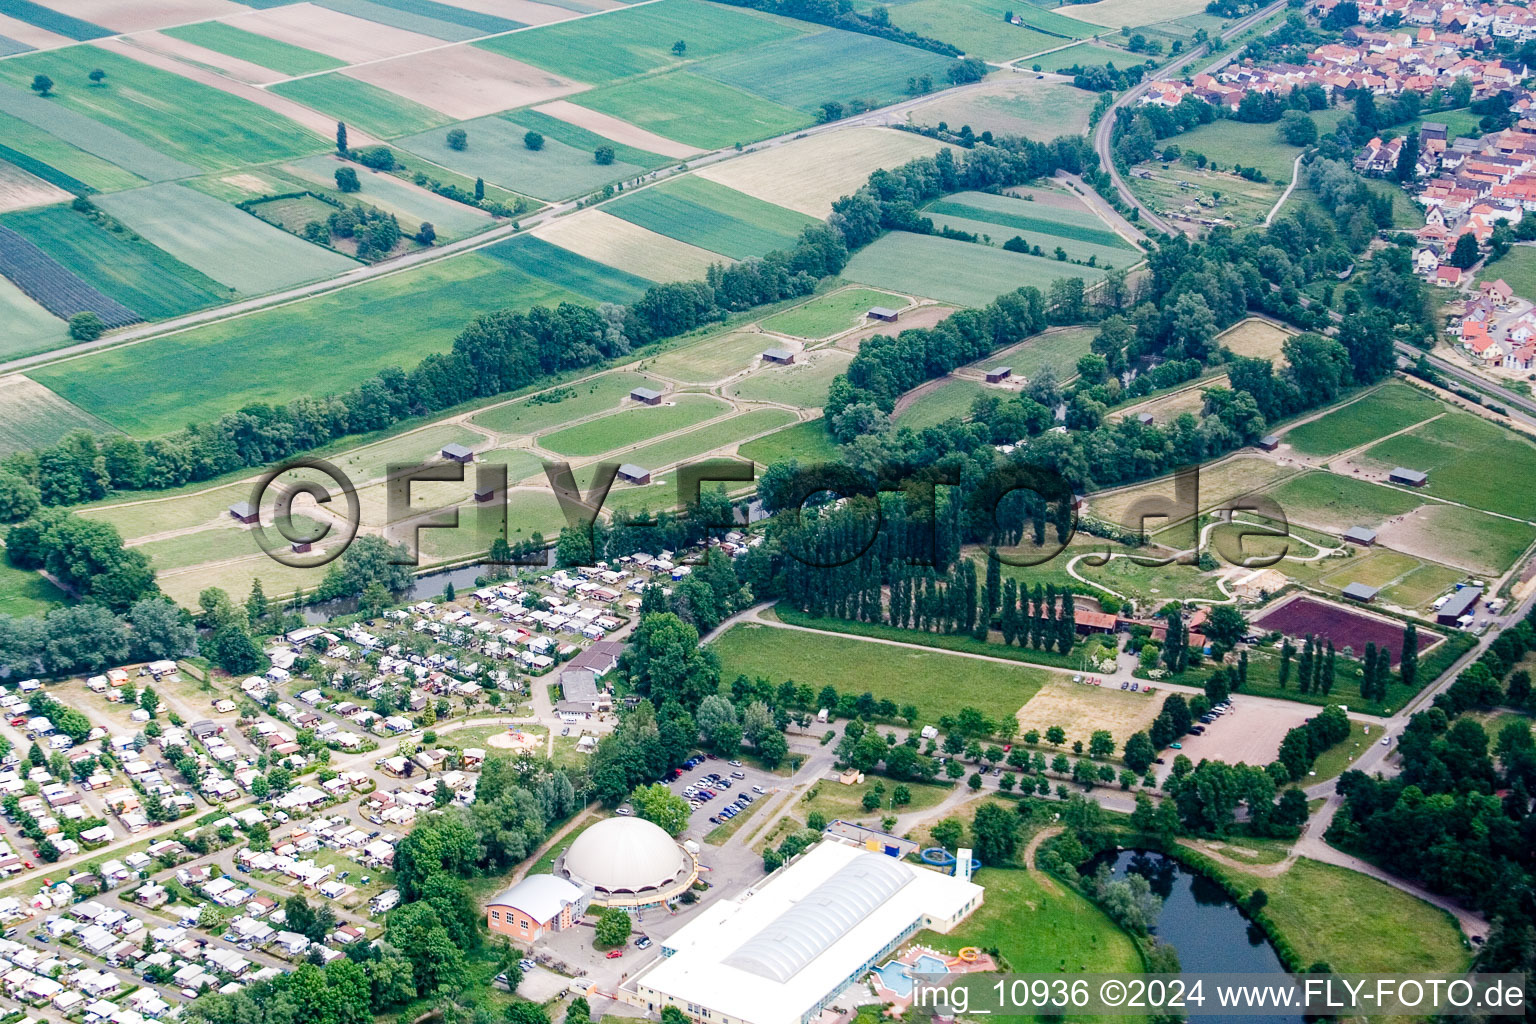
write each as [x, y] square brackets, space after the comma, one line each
[624, 855]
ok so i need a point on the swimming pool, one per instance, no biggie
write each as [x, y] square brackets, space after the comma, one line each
[897, 977]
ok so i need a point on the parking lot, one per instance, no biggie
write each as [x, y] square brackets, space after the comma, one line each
[718, 799]
[1251, 733]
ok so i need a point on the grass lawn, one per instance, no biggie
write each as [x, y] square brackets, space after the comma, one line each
[497, 153]
[1151, 586]
[831, 314]
[1036, 109]
[1083, 55]
[550, 409]
[187, 120]
[1250, 144]
[143, 277]
[949, 399]
[977, 26]
[1333, 502]
[711, 360]
[632, 425]
[258, 49]
[547, 860]
[376, 111]
[834, 800]
[693, 110]
[1332, 762]
[1078, 230]
[696, 443]
[1358, 924]
[938, 683]
[958, 272]
[638, 40]
[24, 592]
[1057, 350]
[1456, 450]
[805, 384]
[1517, 268]
[711, 216]
[1386, 410]
[806, 442]
[271, 356]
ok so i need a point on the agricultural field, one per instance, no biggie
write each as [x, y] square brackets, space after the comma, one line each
[585, 129]
[638, 40]
[364, 106]
[831, 314]
[464, 82]
[550, 409]
[700, 212]
[939, 683]
[946, 399]
[1035, 108]
[334, 33]
[229, 245]
[1392, 407]
[632, 426]
[185, 120]
[1227, 479]
[1457, 450]
[73, 132]
[28, 326]
[567, 269]
[602, 237]
[809, 174]
[140, 276]
[1046, 226]
[1056, 350]
[1349, 629]
[31, 416]
[806, 442]
[958, 272]
[706, 362]
[694, 110]
[41, 280]
[270, 356]
[497, 153]
[805, 384]
[20, 189]
[445, 21]
[1135, 13]
[1256, 339]
[269, 53]
[56, 161]
[1083, 55]
[411, 204]
[977, 26]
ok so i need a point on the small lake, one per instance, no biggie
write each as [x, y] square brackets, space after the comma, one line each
[1210, 932]
[428, 587]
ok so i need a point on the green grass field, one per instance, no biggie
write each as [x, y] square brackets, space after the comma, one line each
[1035, 109]
[183, 119]
[412, 205]
[376, 111]
[141, 276]
[711, 216]
[831, 314]
[272, 356]
[1231, 142]
[54, 152]
[632, 426]
[31, 416]
[1517, 268]
[28, 327]
[806, 442]
[998, 218]
[258, 49]
[588, 398]
[712, 359]
[805, 384]
[229, 245]
[1329, 500]
[636, 40]
[1057, 351]
[696, 443]
[496, 152]
[577, 137]
[977, 26]
[24, 592]
[72, 130]
[1084, 55]
[693, 110]
[807, 71]
[1386, 410]
[568, 269]
[1457, 450]
[949, 399]
[937, 682]
[959, 272]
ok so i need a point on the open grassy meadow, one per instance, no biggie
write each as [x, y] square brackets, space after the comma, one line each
[273, 355]
[550, 409]
[24, 592]
[805, 384]
[944, 400]
[1518, 269]
[997, 219]
[410, 204]
[229, 245]
[977, 26]
[1034, 108]
[143, 277]
[375, 110]
[594, 437]
[806, 442]
[1082, 55]
[269, 53]
[1056, 350]
[1457, 450]
[694, 110]
[711, 216]
[713, 359]
[28, 327]
[567, 269]
[939, 683]
[183, 119]
[831, 314]
[1386, 410]
[712, 437]
[958, 272]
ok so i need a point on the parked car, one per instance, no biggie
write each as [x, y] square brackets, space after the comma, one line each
[614, 954]
[643, 942]
[757, 789]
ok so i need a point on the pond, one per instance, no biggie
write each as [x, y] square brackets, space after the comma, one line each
[427, 587]
[1209, 931]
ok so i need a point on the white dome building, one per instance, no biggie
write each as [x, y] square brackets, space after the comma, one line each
[627, 861]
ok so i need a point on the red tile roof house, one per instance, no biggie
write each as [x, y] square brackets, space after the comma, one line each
[1500, 293]
[1448, 277]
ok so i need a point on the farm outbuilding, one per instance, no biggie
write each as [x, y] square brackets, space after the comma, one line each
[1362, 535]
[882, 314]
[1145, 419]
[1457, 605]
[1269, 442]
[1410, 477]
[244, 512]
[998, 374]
[782, 356]
[633, 474]
[1360, 592]
[646, 396]
[457, 453]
